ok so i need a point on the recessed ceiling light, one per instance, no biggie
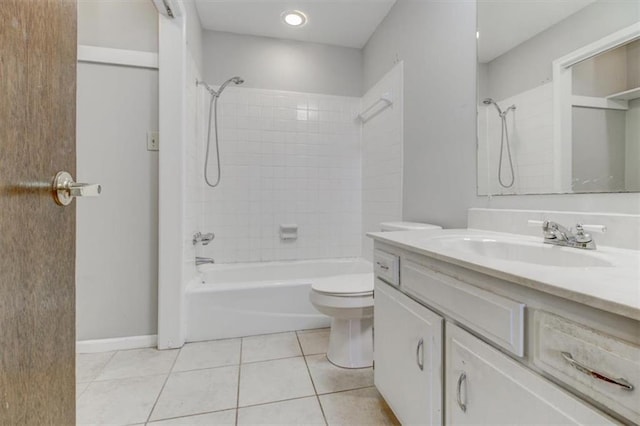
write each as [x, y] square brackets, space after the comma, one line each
[295, 18]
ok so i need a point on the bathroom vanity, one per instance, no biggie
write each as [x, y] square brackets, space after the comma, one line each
[478, 327]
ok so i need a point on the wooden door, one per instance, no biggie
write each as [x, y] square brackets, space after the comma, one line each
[37, 237]
[408, 357]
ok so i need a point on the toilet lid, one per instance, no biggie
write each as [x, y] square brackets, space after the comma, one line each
[345, 285]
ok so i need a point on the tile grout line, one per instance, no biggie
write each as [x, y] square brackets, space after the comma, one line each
[173, 364]
[239, 371]
[304, 357]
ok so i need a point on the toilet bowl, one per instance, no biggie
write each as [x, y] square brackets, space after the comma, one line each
[348, 300]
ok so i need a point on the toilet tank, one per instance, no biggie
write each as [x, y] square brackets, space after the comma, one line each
[406, 226]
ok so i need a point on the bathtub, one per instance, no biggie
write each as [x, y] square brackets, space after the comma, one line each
[244, 299]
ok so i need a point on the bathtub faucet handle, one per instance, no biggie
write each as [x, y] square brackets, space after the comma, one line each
[205, 239]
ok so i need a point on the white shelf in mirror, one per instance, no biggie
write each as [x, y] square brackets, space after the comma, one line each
[627, 95]
[598, 102]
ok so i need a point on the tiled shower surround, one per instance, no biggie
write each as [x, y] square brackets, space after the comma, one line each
[286, 158]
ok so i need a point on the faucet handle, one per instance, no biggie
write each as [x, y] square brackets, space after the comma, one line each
[593, 228]
[583, 237]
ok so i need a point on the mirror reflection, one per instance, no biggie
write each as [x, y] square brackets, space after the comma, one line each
[558, 96]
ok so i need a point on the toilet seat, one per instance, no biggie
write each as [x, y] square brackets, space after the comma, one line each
[350, 285]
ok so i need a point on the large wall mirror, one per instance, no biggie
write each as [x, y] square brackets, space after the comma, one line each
[558, 96]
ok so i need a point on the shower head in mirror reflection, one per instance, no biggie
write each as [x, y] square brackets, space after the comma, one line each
[504, 143]
[489, 101]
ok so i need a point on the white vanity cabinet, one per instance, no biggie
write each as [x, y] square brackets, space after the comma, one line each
[449, 350]
[486, 387]
[408, 356]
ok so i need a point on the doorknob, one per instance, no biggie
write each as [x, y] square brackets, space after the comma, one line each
[64, 189]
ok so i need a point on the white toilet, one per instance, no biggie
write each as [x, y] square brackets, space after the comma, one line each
[348, 300]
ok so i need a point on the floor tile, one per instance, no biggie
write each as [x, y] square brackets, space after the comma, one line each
[89, 366]
[362, 407]
[199, 355]
[219, 418]
[314, 341]
[138, 363]
[272, 381]
[270, 346]
[80, 388]
[305, 411]
[329, 378]
[196, 392]
[123, 401]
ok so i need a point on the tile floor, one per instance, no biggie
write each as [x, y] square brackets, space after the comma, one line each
[276, 379]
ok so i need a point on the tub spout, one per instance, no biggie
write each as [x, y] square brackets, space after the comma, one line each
[204, 260]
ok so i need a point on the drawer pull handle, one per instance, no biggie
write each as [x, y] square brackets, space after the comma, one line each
[385, 267]
[462, 405]
[419, 359]
[595, 374]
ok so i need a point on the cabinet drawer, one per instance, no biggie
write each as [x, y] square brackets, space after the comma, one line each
[497, 318]
[569, 351]
[386, 266]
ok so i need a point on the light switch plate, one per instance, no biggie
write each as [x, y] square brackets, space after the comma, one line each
[153, 141]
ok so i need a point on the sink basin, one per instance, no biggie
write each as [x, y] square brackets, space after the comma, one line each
[522, 251]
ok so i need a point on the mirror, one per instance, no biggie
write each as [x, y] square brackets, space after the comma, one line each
[558, 96]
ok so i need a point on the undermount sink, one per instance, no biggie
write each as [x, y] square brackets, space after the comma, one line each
[521, 251]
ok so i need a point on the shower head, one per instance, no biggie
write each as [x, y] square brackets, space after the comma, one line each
[234, 80]
[489, 101]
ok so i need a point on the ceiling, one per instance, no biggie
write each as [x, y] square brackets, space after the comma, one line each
[502, 24]
[348, 23]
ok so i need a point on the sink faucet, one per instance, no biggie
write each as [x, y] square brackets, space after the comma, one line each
[558, 235]
[203, 260]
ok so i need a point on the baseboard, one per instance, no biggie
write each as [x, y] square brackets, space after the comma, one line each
[116, 344]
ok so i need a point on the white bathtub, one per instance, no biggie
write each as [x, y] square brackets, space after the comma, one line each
[245, 299]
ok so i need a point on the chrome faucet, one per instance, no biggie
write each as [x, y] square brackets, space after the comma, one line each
[558, 235]
[203, 260]
[205, 239]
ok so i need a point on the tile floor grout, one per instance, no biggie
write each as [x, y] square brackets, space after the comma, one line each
[173, 364]
[239, 378]
[315, 390]
[237, 408]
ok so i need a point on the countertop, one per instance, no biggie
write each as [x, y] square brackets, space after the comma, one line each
[614, 289]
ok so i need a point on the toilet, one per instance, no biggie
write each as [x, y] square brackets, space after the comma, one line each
[348, 300]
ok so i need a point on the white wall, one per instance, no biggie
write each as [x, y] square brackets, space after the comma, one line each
[436, 41]
[131, 24]
[269, 63]
[382, 157]
[117, 238]
[286, 158]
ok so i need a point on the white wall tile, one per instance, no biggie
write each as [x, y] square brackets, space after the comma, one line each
[282, 162]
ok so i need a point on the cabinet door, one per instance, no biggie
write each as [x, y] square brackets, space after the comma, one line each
[408, 357]
[485, 386]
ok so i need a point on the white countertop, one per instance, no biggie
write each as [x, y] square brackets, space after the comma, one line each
[613, 288]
